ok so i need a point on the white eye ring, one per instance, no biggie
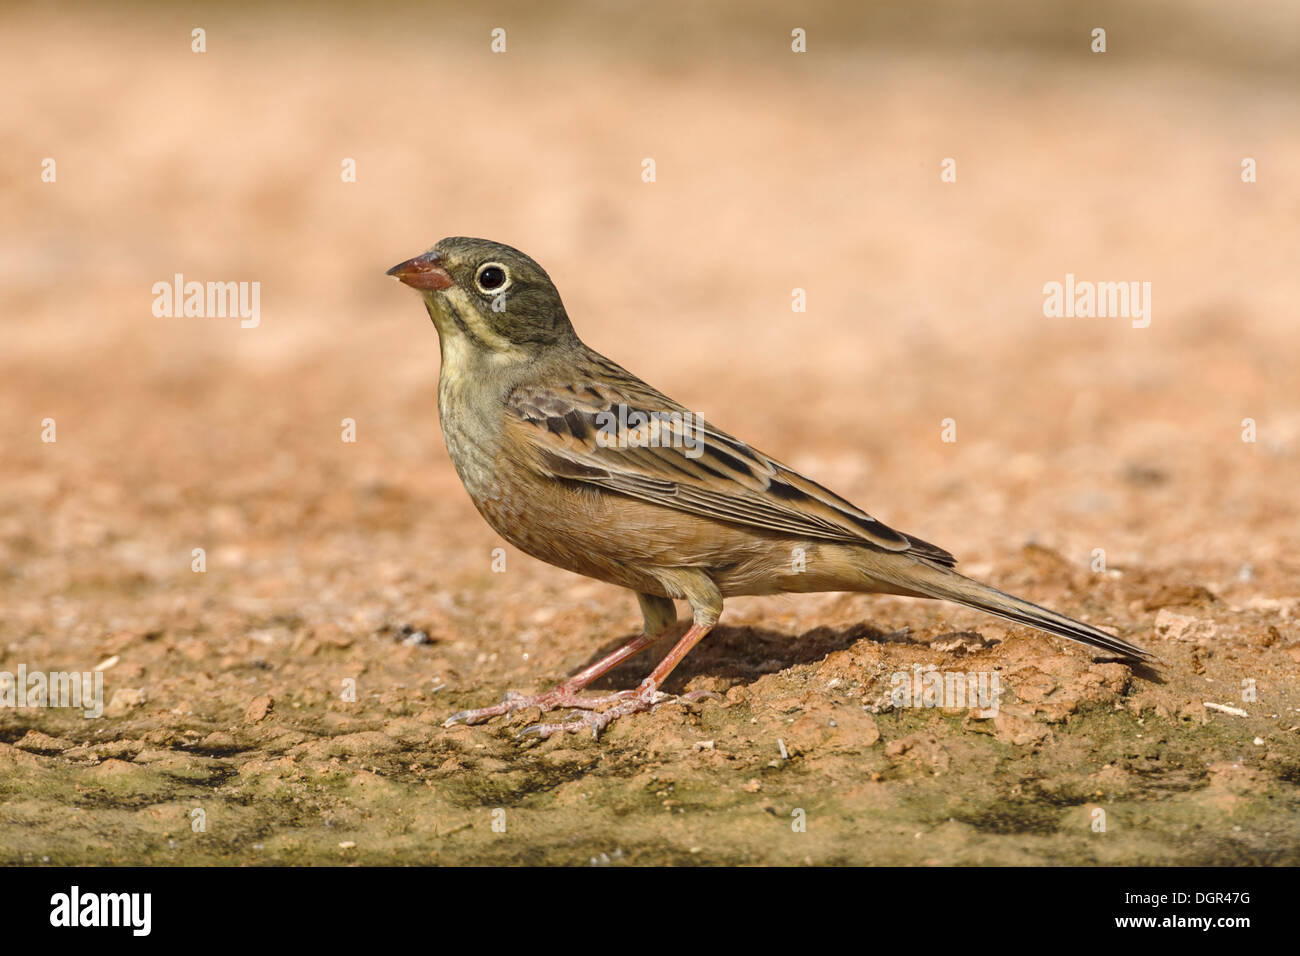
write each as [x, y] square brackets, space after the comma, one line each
[478, 278]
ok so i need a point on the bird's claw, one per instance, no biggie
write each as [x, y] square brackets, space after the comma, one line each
[645, 699]
[693, 695]
[618, 704]
[512, 701]
[551, 700]
[543, 731]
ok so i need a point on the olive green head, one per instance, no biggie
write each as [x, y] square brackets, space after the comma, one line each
[488, 296]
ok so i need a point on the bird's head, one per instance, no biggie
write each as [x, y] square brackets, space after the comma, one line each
[488, 298]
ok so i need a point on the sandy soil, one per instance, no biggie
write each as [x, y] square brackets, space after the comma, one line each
[228, 736]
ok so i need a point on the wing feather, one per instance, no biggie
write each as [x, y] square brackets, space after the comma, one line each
[616, 432]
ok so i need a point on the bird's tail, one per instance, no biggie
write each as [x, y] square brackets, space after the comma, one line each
[923, 579]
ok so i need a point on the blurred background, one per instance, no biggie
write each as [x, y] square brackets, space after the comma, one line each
[775, 170]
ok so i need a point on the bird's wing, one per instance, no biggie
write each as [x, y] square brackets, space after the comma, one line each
[609, 429]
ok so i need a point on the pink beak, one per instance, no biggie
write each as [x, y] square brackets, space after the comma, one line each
[424, 272]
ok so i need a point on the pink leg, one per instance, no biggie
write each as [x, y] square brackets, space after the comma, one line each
[660, 615]
[646, 696]
[674, 657]
[563, 695]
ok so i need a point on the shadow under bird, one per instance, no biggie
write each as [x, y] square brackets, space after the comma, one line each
[576, 461]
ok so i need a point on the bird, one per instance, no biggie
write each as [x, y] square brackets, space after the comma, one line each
[576, 461]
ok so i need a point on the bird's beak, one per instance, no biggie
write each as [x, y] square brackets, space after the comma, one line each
[423, 272]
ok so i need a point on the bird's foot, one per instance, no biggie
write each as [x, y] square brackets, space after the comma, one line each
[556, 699]
[645, 698]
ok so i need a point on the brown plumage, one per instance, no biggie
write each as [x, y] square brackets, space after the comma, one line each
[576, 461]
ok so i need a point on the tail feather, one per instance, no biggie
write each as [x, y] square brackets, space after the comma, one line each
[926, 580]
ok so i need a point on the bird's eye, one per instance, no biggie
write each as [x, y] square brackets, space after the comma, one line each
[491, 277]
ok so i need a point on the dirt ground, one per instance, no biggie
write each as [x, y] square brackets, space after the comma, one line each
[1098, 468]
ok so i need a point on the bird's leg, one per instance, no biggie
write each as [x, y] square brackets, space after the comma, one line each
[629, 702]
[707, 611]
[660, 615]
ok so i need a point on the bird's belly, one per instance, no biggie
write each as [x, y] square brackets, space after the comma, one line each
[563, 526]
[624, 541]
